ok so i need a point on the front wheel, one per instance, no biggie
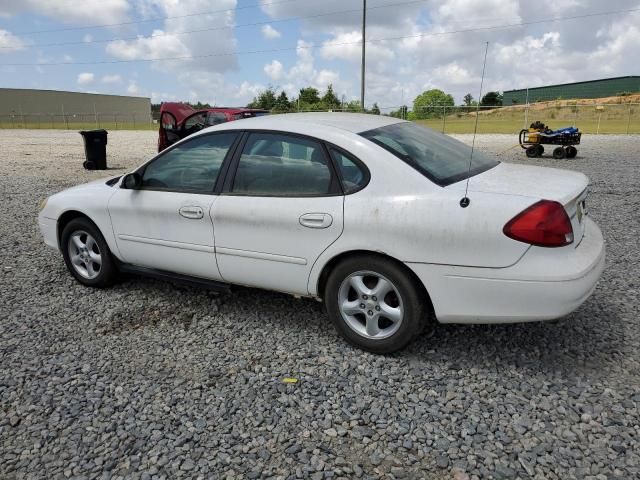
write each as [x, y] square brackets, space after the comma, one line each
[86, 254]
[375, 304]
[532, 151]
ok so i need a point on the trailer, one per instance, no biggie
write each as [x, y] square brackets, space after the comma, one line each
[538, 134]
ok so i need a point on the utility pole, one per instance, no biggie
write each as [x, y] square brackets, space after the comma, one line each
[364, 26]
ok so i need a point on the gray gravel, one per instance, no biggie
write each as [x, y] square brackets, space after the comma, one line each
[150, 380]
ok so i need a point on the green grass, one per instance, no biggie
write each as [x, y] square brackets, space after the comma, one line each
[57, 125]
[614, 119]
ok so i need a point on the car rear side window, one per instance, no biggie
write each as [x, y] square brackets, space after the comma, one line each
[437, 156]
[353, 176]
[192, 166]
[275, 164]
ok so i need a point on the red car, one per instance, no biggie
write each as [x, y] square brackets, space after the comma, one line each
[179, 120]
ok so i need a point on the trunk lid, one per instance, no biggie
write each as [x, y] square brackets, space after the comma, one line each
[538, 183]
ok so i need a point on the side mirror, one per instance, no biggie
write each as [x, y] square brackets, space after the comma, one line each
[132, 181]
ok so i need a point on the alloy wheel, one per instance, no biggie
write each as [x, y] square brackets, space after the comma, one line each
[370, 304]
[84, 254]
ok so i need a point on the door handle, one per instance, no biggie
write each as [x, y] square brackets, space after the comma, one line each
[191, 212]
[316, 220]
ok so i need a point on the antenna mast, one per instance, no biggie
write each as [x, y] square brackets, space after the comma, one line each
[465, 201]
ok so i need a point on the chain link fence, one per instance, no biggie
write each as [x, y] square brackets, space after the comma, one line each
[78, 121]
[623, 118]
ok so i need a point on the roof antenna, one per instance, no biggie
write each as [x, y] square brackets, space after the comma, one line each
[465, 201]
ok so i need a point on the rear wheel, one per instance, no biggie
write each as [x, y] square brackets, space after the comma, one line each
[539, 150]
[559, 153]
[86, 254]
[374, 304]
[571, 151]
[532, 151]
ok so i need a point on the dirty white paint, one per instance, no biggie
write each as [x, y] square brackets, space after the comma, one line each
[472, 271]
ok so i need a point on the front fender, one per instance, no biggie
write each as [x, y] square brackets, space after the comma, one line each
[90, 200]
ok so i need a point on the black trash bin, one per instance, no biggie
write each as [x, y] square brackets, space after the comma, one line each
[95, 149]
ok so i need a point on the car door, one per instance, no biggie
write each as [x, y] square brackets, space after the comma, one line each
[165, 223]
[167, 133]
[193, 124]
[281, 207]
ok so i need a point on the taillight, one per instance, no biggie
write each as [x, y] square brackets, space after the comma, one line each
[545, 224]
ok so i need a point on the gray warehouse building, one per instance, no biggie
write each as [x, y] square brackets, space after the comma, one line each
[29, 106]
[606, 87]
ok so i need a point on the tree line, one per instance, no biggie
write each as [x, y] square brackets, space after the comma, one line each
[435, 103]
[308, 99]
[429, 104]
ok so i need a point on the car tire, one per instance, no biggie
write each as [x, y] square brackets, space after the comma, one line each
[87, 254]
[539, 150]
[559, 153]
[377, 325]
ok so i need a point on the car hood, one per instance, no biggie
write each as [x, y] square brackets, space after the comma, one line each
[528, 181]
[102, 182]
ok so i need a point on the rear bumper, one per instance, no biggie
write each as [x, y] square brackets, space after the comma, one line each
[545, 284]
[49, 231]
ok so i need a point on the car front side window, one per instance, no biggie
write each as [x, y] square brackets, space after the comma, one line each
[274, 164]
[192, 166]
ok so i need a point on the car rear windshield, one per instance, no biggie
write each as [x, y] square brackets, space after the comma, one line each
[437, 156]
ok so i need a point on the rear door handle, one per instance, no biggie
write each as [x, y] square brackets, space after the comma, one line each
[316, 220]
[191, 212]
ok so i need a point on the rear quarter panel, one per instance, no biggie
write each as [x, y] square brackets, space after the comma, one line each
[404, 215]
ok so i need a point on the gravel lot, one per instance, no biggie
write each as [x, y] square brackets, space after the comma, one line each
[150, 380]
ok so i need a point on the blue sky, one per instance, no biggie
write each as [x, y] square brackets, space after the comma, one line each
[307, 42]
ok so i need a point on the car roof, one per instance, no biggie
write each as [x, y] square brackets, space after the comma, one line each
[234, 109]
[352, 122]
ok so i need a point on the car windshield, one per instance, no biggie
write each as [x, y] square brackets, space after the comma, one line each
[437, 156]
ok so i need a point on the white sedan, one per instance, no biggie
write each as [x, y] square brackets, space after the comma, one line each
[368, 213]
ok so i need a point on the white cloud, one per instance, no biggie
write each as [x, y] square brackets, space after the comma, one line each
[9, 42]
[67, 58]
[133, 88]
[86, 78]
[167, 42]
[270, 33]
[273, 70]
[430, 56]
[72, 11]
[382, 15]
[304, 73]
[87, 38]
[455, 75]
[348, 46]
[212, 87]
[158, 45]
[112, 79]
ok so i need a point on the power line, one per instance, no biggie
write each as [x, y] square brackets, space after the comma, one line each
[147, 20]
[267, 22]
[313, 46]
